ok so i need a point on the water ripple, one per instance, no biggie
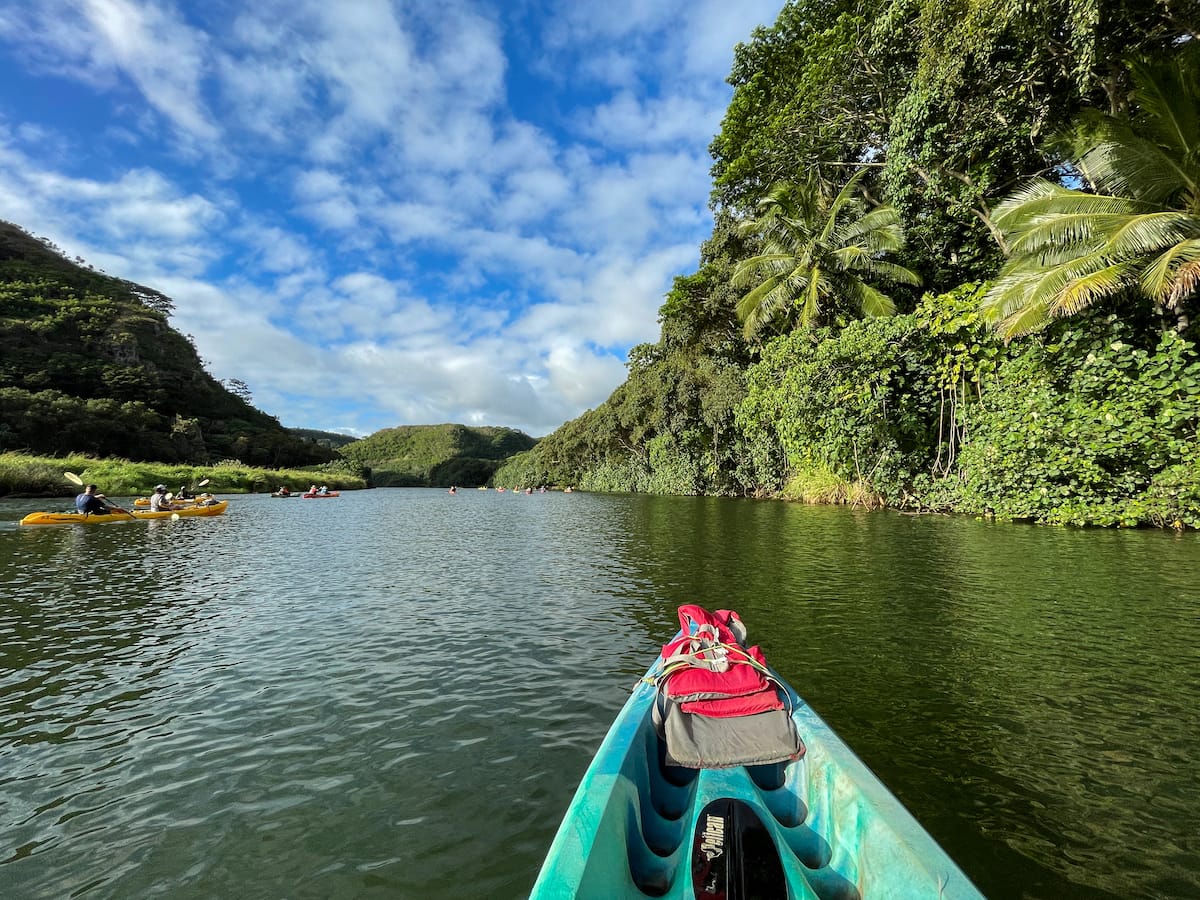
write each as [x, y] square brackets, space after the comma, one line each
[396, 692]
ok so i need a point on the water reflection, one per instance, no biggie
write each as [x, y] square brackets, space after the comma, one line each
[397, 691]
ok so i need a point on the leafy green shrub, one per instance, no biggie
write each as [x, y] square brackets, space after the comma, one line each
[855, 402]
[617, 475]
[1096, 426]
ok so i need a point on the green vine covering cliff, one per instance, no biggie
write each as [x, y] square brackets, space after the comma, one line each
[89, 364]
[1042, 161]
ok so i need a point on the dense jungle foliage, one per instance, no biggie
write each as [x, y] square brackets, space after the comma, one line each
[434, 455]
[1035, 169]
[89, 364]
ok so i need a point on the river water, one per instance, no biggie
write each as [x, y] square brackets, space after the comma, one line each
[394, 693]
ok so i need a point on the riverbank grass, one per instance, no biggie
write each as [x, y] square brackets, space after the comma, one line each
[818, 484]
[25, 475]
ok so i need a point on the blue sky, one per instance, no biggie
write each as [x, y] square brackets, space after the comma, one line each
[380, 213]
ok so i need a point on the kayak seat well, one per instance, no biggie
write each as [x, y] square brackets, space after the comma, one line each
[665, 801]
[665, 794]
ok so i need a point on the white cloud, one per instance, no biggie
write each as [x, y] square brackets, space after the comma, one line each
[101, 41]
[358, 210]
[646, 122]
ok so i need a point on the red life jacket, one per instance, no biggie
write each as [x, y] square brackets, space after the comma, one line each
[709, 671]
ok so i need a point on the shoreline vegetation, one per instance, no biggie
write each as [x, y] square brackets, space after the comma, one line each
[26, 475]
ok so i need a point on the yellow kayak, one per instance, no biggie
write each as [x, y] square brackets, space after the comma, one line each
[137, 515]
[143, 502]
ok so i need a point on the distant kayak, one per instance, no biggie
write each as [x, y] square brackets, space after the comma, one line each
[214, 508]
[308, 495]
[668, 809]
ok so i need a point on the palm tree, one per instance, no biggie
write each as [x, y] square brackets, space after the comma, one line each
[816, 256]
[1137, 229]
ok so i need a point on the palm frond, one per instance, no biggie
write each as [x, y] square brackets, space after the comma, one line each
[1030, 191]
[1165, 91]
[1069, 249]
[1137, 168]
[1187, 284]
[753, 268]
[859, 261]
[761, 305]
[810, 307]
[1024, 321]
[1085, 289]
[845, 205]
[814, 251]
[894, 272]
[1169, 274]
[1039, 199]
[879, 229]
[1013, 297]
[874, 302]
[1046, 233]
[1139, 235]
[1024, 300]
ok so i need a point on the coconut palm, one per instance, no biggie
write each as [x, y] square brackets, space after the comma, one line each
[817, 256]
[1136, 229]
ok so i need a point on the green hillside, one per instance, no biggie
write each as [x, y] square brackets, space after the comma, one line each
[331, 439]
[435, 455]
[89, 364]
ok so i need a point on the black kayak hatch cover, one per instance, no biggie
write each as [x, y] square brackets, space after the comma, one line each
[734, 856]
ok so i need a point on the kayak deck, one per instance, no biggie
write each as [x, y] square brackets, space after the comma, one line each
[136, 515]
[837, 831]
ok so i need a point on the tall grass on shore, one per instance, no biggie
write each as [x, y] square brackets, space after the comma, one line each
[23, 475]
[817, 483]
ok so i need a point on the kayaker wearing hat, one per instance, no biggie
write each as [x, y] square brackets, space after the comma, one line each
[159, 501]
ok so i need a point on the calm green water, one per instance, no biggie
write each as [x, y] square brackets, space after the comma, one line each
[394, 693]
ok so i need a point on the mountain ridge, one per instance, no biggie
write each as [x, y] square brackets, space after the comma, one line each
[89, 363]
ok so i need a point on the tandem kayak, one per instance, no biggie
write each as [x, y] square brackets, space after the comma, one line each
[814, 828]
[73, 518]
[144, 502]
[318, 496]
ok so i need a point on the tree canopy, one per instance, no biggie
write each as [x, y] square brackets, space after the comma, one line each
[820, 255]
[949, 100]
[1134, 222]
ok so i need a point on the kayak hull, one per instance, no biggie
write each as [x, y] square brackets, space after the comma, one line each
[136, 515]
[630, 831]
[308, 496]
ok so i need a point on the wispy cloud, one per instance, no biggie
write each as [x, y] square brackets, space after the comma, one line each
[379, 212]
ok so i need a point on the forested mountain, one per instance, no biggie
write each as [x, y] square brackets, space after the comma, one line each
[955, 265]
[89, 364]
[435, 455]
[331, 439]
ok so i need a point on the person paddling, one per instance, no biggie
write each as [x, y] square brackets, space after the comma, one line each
[90, 502]
[159, 501]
